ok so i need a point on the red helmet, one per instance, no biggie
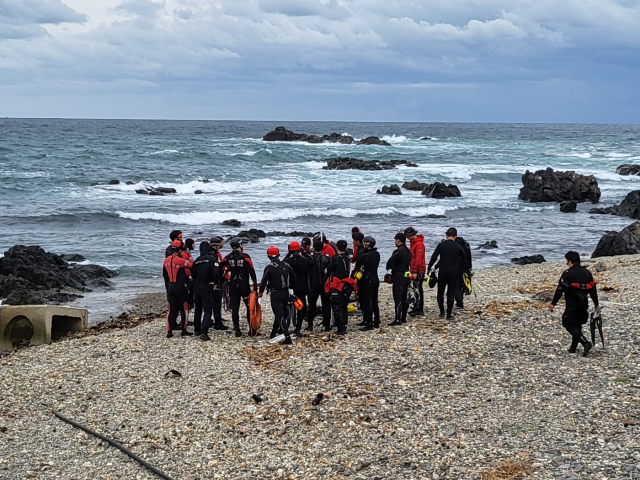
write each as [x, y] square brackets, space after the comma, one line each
[273, 251]
[294, 246]
[176, 243]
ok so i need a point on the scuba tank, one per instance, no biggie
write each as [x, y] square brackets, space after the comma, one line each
[358, 274]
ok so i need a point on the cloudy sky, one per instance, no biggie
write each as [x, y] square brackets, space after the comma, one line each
[378, 60]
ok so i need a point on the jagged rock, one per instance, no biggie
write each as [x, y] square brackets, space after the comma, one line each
[568, 207]
[624, 242]
[440, 190]
[346, 163]
[488, 245]
[253, 235]
[281, 134]
[629, 207]
[628, 170]
[129, 182]
[232, 223]
[527, 260]
[156, 193]
[31, 275]
[142, 191]
[414, 185]
[94, 184]
[73, 257]
[165, 190]
[198, 192]
[390, 190]
[425, 138]
[434, 215]
[549, 186]
[114, 182]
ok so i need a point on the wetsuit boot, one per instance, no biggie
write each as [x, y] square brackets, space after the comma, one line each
[450, 302]
[574, 345]
[586, 345]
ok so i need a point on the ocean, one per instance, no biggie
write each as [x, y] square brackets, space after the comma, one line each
[48, 165]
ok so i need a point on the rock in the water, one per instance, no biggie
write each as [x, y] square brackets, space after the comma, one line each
[568, 207]
[252, 236]
[198, 192]
[425, 138]
[73, 257]
[165, 190]
[390, 190]
[94, 184]
[414, 185]
[549, 186]
[527, 260]
[29, 275]
[291, 234]
[628, 170]
[281, 134]
[488, 245]
[142, 191]
[434, 215]
[346, 163]
[629, 207]
[156, 193]
[129, 182]
[114, 182]
[440, 190]
[624, 242]
[232, 223]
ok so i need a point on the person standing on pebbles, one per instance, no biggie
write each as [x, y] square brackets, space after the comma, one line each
[577, 285]
[340, 285]
[369, 284]
[418, 267]
[452, 259]
[400, 263]
[241, 270]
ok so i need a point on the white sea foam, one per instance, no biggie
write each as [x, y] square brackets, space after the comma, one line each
[189, 187]
[164, 152]
[246, 153]
[580, 155]
[617, 155]
[394, 138]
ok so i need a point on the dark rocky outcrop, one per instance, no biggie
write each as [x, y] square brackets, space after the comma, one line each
[292, 234]
[624, 242]
[251, 236]
[628, 170]
[114, 182]
[130, 182]
[549, 186]
[440, 190]
[414, 185]
[390, 190]
[94, 184]
[232, 223]
[142, 191]
[158, 191]
[425, 138]
[347, 163]
[29, 275]
[73, 257]
[488, 245]
[434, 215]
[629, 207]
[528, 260]
[198, 192]
[281, 134]
[568, 207]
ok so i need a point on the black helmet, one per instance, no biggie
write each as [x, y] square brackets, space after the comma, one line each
[410, 231]
[215, 240]
[370, 240]
[235, 242]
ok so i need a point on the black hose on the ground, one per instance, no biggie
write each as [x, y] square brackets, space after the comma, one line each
[115, 444]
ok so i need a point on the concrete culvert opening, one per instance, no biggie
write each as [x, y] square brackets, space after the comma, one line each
[19, 331]
[63, 324]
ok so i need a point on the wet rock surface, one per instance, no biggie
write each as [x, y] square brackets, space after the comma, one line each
[347, 163]
[31, 276]
[528, 259]
[628, 170]
[440, 190]
[624, 242]
[281, 134]
[389, 190]
[415, 185]
[550, 186]
[629, 207]
[431, 399]
[158, 191]
[488, 245]
[568, 207]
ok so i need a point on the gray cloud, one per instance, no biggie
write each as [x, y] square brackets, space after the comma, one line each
[21, 19]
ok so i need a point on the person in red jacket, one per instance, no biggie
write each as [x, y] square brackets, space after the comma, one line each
[418, 267]
[327, 249]
[174, 271]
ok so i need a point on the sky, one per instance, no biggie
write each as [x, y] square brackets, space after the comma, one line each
[572, 61]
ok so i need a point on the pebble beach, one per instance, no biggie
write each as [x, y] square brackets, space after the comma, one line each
[491, 395]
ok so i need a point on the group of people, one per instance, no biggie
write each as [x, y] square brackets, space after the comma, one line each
[313, 271]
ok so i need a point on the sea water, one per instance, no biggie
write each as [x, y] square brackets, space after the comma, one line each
[47, 167]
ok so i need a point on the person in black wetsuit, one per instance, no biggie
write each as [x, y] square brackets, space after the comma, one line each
[452, 259]
[216, 245]
[318, 278]
[206, 279]
[279, 278]
[368, 286]
[577, 285]
[467, 251]
[174, 235]
[240, 267]
[339, 269]
[302, 265]
[399, 263]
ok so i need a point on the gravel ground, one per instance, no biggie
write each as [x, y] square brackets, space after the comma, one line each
[434, 399]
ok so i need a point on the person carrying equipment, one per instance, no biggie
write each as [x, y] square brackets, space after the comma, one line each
[465, 273]
[340, 285]
[216, 245]
[452, 259]
[174, 272]
[577, 285]
[174, 235]
[303, 267]
[241, 270]
[368, 286]
[206, 279]
[399, 264]
[318, 278]
[278, 277]
[417, 268]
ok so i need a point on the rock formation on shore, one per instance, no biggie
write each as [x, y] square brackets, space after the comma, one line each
[528, 260]
[440, 190]
[488, 245]
[31, 276]
[629, 207]
[628, 170]
[390, 190]
[549, 186]
[624, 242]
[347, 163]
[281, 134]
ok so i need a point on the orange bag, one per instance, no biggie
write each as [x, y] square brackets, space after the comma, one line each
[255, 314]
